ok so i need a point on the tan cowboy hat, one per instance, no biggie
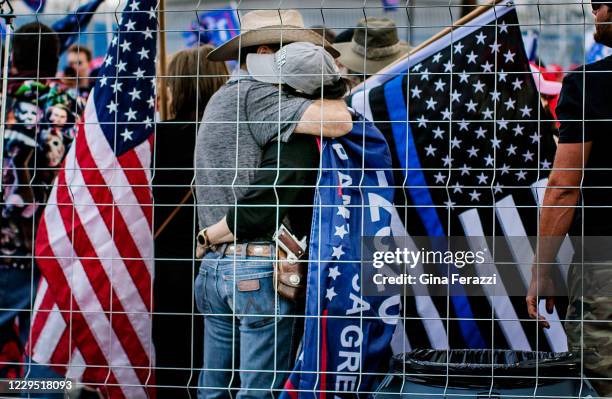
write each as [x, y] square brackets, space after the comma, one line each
[375, 40]
[262, 27]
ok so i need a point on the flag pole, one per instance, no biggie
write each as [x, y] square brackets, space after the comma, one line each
[163, 95]
[461, 21]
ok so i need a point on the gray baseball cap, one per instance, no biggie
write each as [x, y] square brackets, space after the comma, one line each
[301, 65]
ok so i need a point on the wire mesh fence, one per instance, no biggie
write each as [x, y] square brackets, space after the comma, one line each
[287, 199]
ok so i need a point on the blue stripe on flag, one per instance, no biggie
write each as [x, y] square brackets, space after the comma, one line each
[417, 188]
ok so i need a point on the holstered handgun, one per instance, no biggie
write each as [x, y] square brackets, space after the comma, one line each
[289, 272]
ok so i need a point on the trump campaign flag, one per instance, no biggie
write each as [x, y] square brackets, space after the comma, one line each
[350, 337]
[473, 146]
[596, 51]
[94, 245]
[213, 27]
[69, 28]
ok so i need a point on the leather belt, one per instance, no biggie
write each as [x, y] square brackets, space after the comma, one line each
[262, 250]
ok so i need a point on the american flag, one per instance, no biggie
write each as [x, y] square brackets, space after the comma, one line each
[94, 244]
[473, 151]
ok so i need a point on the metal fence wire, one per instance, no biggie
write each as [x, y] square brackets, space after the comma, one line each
[407, 199]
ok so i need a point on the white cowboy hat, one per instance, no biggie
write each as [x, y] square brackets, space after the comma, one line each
[262, 27]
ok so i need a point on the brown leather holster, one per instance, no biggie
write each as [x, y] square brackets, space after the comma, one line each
[291, 267]
[290, 276]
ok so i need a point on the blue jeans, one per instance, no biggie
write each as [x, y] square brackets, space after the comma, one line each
[249, 331]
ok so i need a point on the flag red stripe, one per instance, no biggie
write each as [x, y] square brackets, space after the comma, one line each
[290, 389]
[40, 318]
[100, 283]
[139, 181]
[81, 332]
[323, 384]
[60, 355]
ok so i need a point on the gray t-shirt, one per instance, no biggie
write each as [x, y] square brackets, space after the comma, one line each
[239, 120]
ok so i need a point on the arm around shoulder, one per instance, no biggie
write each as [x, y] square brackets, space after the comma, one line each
[327, 118]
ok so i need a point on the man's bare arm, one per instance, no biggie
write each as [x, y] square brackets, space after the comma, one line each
[329, 118]
[219, 232]
[561, 196]
[558, 209]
